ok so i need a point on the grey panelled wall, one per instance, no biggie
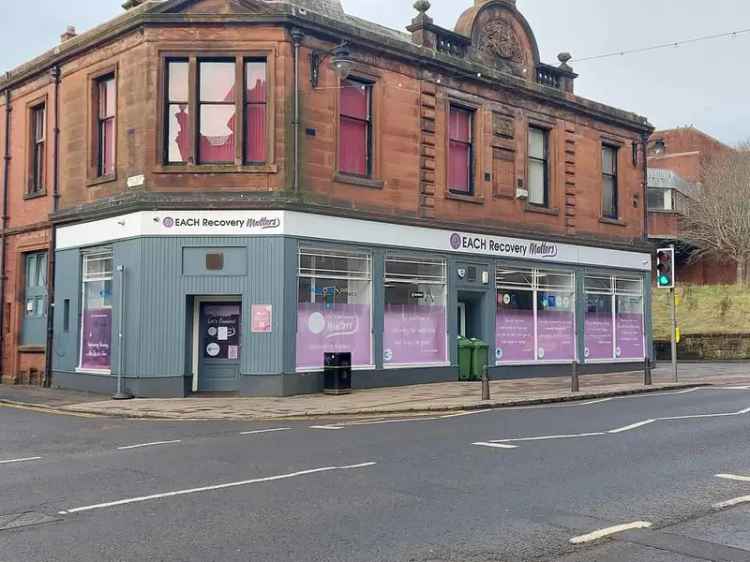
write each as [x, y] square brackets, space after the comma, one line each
[156, 304]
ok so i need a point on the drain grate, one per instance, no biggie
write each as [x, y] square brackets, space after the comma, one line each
[28, 519]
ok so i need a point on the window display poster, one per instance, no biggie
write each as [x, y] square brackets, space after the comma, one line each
[414, 334]
[221, 339]
[598, 335]
[630, 336]
[555, 333]
[96, 347]
[514, 336]
[333, 328]
[262, 318]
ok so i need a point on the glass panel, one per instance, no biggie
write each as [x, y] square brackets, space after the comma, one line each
[537, 187]
[333, 264]
[598, 284]
[39, 124]
[96, 329]
[178, 143]
[609, 193]
[41, 274]
[31, 275]
[656, 199]
[107, 98]
[178, 81]
[515, 277]
[108, 147]
[255, 82]
[355, 100]
[222, 337]
[459, 167]
[555, 326]
[217, 133]
[537, 144]
[629, 286]
[255, 145]
[629, 327]
[609, 158]
[353, 149]
[555, 280]
[460, 125]
[514, 326]
[217, 81]
[598, 327]
[415, 269]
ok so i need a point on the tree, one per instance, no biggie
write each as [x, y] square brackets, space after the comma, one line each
[717, 223]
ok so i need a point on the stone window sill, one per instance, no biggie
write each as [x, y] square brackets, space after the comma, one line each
[100, 180]
[31, 348]
[35, 195]
[217, 169]
[474, 199]
[360, 181]
[531, 208]
[615, 222]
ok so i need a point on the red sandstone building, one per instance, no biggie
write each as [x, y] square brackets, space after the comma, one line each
[237, 186]
[676, 160]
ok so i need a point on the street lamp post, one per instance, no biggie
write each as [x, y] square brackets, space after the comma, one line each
[121, 393]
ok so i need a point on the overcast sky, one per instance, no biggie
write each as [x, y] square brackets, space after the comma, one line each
[704, 84]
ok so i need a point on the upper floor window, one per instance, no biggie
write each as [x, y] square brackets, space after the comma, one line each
[538, 182]
[609, 182]
[38, 122]
[355, 128]
[107, 109]
[230, 111]
[460, 150]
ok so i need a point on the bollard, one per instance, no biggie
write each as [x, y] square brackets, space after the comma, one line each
[575, 385]
[486, 383]
[647, 379]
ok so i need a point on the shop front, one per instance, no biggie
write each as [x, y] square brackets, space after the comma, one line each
[249, 301]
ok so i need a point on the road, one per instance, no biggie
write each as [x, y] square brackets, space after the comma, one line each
[503, 485]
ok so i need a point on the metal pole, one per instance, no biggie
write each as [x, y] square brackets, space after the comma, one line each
[674, 335]
[575, 383]
[121, 394]
[647, 378]
[486, 383]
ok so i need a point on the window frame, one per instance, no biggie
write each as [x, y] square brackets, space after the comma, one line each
[615, 150]
[200, 104]
[547, 196]
[94, 177]
[266, 53]
[36, 184]
[472, 112]
[99, 252]
[369, 85]
[101, 121]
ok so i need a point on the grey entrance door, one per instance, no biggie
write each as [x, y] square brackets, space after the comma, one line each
[219, 351]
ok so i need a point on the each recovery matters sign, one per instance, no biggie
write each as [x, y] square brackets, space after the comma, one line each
[503, 246]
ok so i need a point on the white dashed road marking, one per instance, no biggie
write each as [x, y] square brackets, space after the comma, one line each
[734, 477]
[11, 461]
[601, 401]
[631, 427]
[495, 445]
[609, 531]
[154, 444]
[215, 487]
[547, 437]
[731, 503]
[257, 431]
[331, 427]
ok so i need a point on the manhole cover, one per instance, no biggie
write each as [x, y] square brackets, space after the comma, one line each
[18, 520]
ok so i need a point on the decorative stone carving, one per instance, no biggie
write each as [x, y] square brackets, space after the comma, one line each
[503, 126]
[499, 39]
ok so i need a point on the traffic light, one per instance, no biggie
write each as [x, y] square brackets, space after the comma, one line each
[665, 273]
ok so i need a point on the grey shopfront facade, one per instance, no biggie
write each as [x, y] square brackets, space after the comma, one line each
[246, 285]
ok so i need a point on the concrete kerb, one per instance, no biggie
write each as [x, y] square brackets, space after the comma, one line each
[370, 412]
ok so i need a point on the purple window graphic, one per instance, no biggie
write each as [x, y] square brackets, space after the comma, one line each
[598, 340]
[555, 329]
[325, 328]
[414, 334]
[97, 339]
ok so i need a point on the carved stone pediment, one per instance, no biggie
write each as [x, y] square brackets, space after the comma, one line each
[499, 39]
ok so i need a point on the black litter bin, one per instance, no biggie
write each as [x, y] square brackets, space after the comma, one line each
[337, 373]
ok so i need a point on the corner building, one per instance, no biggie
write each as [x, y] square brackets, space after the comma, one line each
[285, 179]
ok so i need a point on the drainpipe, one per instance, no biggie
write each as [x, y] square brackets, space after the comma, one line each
[4, 225]
[297, 36]
[644, 149]
[47, 381]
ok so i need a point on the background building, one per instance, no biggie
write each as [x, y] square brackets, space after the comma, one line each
[244, 185]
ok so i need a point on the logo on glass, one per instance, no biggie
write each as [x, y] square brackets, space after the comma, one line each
[456, 241]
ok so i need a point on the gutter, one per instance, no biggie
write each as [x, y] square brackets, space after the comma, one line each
[297, 36]
[4, 226]
[47, 380]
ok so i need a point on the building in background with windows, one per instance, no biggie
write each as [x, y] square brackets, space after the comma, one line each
[676, 160]
[238, 193]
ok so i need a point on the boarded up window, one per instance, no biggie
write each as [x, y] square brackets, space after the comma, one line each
[214, 262]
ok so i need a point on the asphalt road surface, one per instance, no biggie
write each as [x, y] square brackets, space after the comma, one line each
[625, 479]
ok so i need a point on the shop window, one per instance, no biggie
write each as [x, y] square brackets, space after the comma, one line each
[415, 311]
[535, 319]
[96, 317]
[334, 306]
[538, 167]
[34, 327]
[38, 137]
[460, 150]
[355, 128]
[609, 182]
[106, 97]
[614, 322]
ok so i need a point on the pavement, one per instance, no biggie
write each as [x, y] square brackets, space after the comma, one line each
[418, 399]
[659, 477]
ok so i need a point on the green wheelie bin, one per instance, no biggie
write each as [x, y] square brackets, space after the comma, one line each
[479, 350]
[465, 350]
